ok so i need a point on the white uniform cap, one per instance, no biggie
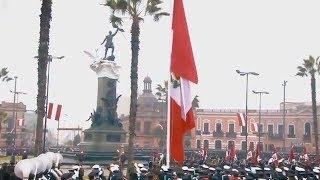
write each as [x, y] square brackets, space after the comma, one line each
[140, 165]
[96, 166]
[143, 169]
[164, 168]
[316, 171]
[286, 168]
[212, 168]
[235, 170]
[278, 170]
[185, 168]
[226, 167]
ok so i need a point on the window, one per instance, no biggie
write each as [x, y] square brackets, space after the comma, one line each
[291, 130]
[270, 129]
[243, 130]
[138, 129]
[243, 145]
[147, 127]
[218, 127]
[230, 144]
[231, 128]
[206, 128]
[307, 129]
[280, 129]
[206, 144]
[218, 144]
[251, 146]
[260, 128]
[198, 144]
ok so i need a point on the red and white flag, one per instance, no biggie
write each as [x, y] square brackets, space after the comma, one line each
[54, 110]
[184, 71]
[249, 155]
[291, 154]
[254, 127]
[241, 119]
[20, 122]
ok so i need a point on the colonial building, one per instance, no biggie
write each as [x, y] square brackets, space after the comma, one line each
[219, 128]
[7, 127]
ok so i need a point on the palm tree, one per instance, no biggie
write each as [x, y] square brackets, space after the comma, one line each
[4, 75]
[134, 9]
[162, 93]
[310, 67]
[43, 58]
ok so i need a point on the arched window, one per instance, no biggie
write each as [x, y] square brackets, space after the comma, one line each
[218, 127]
[218, 144]
[198, 144]
[307, 129]
[206, 144]
[243, 145]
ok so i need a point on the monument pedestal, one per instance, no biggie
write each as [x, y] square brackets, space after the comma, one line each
[103, 140]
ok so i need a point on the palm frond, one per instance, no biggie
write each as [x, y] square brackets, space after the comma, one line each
[4, 72]
[157, 16]
[301, 74]
[117, 5]
[115, 19]
[308, 63]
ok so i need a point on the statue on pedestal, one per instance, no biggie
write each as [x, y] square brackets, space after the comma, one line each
[109, 43]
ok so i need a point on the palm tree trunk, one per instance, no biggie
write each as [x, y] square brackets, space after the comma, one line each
[135, 32]
[314, 112]
[43, 56]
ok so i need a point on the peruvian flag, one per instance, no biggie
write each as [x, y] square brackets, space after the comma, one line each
[257, 155]
[232, 155]
[20, 122]
[291, 155]
[227, 154]
[204, 153]
[254, 127]
[305, 154]
[241, 119]
[249, 155]
[183, 70]
[275, 157]
[54, 110]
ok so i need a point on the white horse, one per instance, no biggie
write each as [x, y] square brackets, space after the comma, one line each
[25, 167]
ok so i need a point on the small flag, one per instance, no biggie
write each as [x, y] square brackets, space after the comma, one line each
[241, 119]
[291, 155]
[54, 110]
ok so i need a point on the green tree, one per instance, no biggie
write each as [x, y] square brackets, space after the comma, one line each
[4, 75]
[162, 92]
[310, 67]
[43, 58]
[136, 10]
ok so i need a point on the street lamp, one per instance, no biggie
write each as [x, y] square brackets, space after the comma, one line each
[13, 117]
[284, 114]
[246, 118]
[16, 114]
[46, 116]
[259, 92]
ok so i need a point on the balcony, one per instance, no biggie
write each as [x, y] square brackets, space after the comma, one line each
[291, 136]
[243, 134]
[217, 133]
[205, 132]
[231, 134]
[307, 137]
[275, 136]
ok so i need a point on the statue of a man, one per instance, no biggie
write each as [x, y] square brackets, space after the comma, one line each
[109, 43]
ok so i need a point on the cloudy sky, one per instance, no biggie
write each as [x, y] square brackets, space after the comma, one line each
[269, 37]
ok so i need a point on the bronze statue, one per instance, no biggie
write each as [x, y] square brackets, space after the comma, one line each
[109, 42]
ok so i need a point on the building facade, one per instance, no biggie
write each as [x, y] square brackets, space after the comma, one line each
[7, 126]
[219, 128]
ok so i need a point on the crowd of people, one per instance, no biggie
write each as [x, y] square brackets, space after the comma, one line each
[198, 165]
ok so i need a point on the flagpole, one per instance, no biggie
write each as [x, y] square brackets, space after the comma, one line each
[169, 91]
[58, 134]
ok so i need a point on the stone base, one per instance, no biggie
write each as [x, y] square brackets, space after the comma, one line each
[103, 140]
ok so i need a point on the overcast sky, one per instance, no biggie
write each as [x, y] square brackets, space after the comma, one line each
[269, 37]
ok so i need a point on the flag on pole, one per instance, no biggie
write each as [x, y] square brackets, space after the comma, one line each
[20, 122]
[183, 71]
[291, 155]
[257, 155]
[241, 119]
[54, 110]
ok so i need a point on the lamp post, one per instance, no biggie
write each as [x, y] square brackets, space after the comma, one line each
[284, 114]
[246, 118]
[47, 94]
[13, 117]
[16, 113]
[259, 130]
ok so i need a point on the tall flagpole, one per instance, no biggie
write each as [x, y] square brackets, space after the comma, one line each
[169, 90]
[58, 134]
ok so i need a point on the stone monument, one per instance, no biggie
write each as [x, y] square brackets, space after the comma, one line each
[106, 133]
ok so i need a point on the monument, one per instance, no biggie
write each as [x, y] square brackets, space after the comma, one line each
[106, 133]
